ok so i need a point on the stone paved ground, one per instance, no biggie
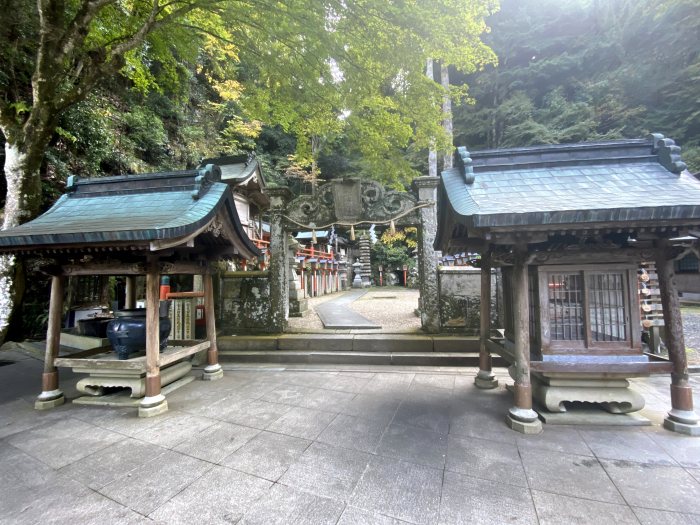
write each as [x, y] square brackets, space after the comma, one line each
[333, 446]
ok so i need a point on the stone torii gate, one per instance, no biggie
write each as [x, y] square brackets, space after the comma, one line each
[353, 202]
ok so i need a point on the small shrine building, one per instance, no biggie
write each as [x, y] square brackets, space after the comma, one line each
[153, 224]
[570, 227]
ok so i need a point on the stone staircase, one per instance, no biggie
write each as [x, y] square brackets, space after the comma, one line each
[362, 349]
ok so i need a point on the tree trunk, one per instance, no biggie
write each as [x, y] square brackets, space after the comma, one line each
[22, 203]
[448, 158]
[432, 154]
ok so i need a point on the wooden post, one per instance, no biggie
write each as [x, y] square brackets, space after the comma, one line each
[51, 396]
[130, 299]
[485, 378]
[682, 417]
[154, 403]
[213, 369]
[521, 417]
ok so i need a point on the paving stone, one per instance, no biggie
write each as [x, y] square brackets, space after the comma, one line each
[654, 486]
[267, 455]
[19, 415]
[427, 412]
[557, 439]
[470, 500]
[217, 441]
[387, 382]
[658, 517]
[327, 471]
[21, 478]
[254, 413]
[554, 509]
[345, 383]
[283, 505]
[174, 430]
[288, 394]
[302, 422]
[308, 379]
[568, 475]
[491, 426]
[327, 400]
[685, 450]
[113, 462]
[486, 460]
[63, 441]
[354, 432]
[438, 381]
[626, 445]
[253, 390]
[151, 485]
[399, 489]
[71, 502]
[122, 420]
[370, 406]
[414, 444]
[354, 516]
[220, 496]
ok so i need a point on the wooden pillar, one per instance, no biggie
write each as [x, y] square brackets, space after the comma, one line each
[521, 417]
[485, 378]
[51, 396]
[682, 417]
[130, 300]
[154, 403]
[213, 369]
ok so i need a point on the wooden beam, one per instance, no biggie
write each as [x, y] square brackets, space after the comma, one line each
[119, 268]
[485, 378]
[153, 328]
[521, 417]
[130, 300]
[213, 369]
[50, 395]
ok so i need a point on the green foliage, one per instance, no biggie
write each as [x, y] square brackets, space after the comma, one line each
[577, 70]
[393, 251]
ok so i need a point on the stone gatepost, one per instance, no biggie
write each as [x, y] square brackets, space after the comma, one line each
[279, 265]
[298, 304]
[427, 258]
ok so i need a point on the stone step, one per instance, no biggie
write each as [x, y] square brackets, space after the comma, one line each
[365, 343]
[460, 359]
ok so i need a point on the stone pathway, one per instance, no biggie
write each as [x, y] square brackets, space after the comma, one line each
[337, 446]
[335, 314]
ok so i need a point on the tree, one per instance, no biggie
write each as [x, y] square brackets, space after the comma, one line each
[311, 67]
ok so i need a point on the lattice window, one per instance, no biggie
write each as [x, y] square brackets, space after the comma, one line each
[608, 317]
[566, 306]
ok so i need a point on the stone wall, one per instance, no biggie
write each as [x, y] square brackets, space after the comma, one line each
[460, 299]
[244, 303]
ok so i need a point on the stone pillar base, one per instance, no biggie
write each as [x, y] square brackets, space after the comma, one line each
[523, 420]
[212, 373]
[153, 406]
[485, 380]
[692, 429]
[47, 400]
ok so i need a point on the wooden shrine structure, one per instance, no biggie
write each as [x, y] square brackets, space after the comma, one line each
[153, 224]
[570, 226]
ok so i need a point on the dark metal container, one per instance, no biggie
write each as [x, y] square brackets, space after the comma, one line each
[127, 332]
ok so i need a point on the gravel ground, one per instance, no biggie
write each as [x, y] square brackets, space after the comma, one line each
[391, 307]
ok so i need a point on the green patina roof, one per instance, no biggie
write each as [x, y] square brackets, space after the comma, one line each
[137, 208]
[617, 181]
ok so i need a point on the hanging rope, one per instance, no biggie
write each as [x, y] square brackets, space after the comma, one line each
[353, 224]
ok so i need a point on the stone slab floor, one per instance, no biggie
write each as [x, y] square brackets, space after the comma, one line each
[333, 446]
